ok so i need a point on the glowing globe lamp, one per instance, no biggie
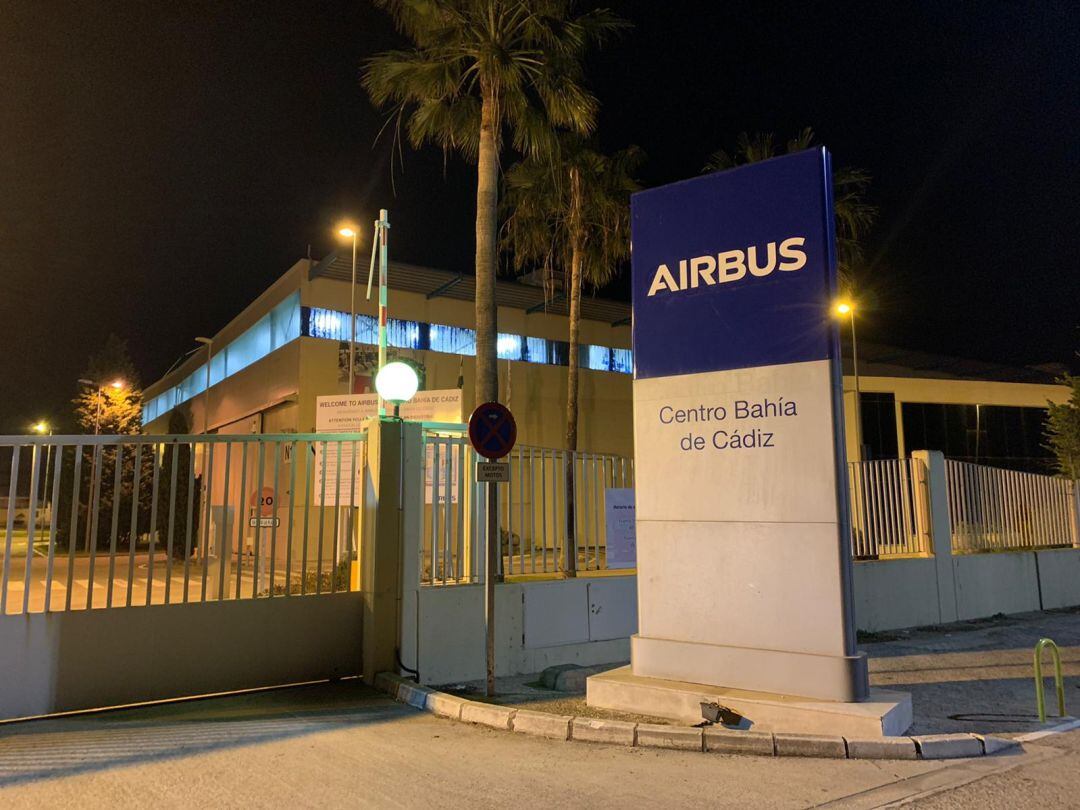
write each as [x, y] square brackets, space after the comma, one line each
[397, 383]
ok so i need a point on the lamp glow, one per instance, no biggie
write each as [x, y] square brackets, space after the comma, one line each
[397, 382]
[844, 308]
[41, 427]
[117, 384]
[347, 232]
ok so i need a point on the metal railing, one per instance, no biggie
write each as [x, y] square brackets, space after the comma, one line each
[889, 508]
[991, 509]
[148, 520]
[541, 529]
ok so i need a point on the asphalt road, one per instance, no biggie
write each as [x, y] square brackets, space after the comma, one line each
[342, 744]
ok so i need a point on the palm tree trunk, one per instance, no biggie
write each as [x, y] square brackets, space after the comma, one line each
[572, 370]
[487, 199]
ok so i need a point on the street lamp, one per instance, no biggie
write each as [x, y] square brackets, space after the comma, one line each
[396, 383]
[116, 384]
[846, 309]
[350, 233]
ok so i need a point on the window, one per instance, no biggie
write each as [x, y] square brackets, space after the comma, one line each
[878, 416]
[597, 358]
[275, 329]
[452, 339]
[508, 347]
[400, 334]
[622, 360]
[536, 350]
[995, 435]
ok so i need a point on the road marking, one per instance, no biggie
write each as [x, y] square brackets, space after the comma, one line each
[1058, 729]
[943, 778]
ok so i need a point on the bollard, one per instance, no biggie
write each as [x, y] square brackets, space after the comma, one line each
[1059, 681]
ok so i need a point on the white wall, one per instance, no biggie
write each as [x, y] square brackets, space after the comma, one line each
[995, 583]
[893, 594]
[587, 620]
[1059, 576]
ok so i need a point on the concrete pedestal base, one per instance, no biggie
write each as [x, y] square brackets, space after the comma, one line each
[781, 672]
[884, 714]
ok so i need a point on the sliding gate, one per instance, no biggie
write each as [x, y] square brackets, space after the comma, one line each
[138, 568]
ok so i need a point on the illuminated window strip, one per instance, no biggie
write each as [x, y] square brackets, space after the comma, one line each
[333, 325]
[288, 321]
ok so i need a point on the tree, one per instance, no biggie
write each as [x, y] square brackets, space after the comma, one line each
[478, 70]
[854, 215]
[112, 403]
[177, 491]
[570, 216]
[111, 410]
[1063, 431]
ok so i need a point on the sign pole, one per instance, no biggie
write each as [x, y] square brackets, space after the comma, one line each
[492, 433]
[490, 572]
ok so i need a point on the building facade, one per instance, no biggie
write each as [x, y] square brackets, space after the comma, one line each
[289, 346]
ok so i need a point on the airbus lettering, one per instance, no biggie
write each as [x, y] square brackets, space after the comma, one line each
[731, 265]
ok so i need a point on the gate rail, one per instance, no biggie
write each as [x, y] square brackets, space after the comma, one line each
[117, 521]
[536, 533]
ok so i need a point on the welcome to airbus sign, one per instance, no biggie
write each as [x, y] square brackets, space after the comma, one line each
[743, 569]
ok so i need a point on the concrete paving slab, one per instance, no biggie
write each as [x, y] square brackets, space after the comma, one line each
[810, 745]
[445, 705]
[486, 714]
[617, 732]
[949, 746]
[658, 736]
[416, 696]
[882, 748]
[542, 724]
[994, 745]
[723, 741]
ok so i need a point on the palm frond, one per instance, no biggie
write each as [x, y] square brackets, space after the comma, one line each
[854, 215]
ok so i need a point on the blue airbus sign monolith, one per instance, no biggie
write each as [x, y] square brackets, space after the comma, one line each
[744, 575]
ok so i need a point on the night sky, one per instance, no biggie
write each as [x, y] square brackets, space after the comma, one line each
[162, 163]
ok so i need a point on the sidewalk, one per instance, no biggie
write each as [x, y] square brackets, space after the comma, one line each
[967, 677]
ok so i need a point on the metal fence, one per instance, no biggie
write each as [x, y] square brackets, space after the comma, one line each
[542, 528]
[118, 521]
[889, 508]
[991, 509]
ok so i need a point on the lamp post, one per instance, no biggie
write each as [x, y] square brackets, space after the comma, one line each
[99, 397]
[350, 233]
[847, 309]
[44, 428]
[381, 243]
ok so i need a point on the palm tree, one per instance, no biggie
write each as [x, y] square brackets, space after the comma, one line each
[478, 70]
[570, 215]
[854, 215]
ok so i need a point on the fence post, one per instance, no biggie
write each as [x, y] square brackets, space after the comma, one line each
[1074, 511]
[388, 554]
[936, 508]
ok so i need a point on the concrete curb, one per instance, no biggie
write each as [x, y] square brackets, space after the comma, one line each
[686, 738]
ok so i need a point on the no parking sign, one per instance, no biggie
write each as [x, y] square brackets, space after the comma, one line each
[492, 430]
